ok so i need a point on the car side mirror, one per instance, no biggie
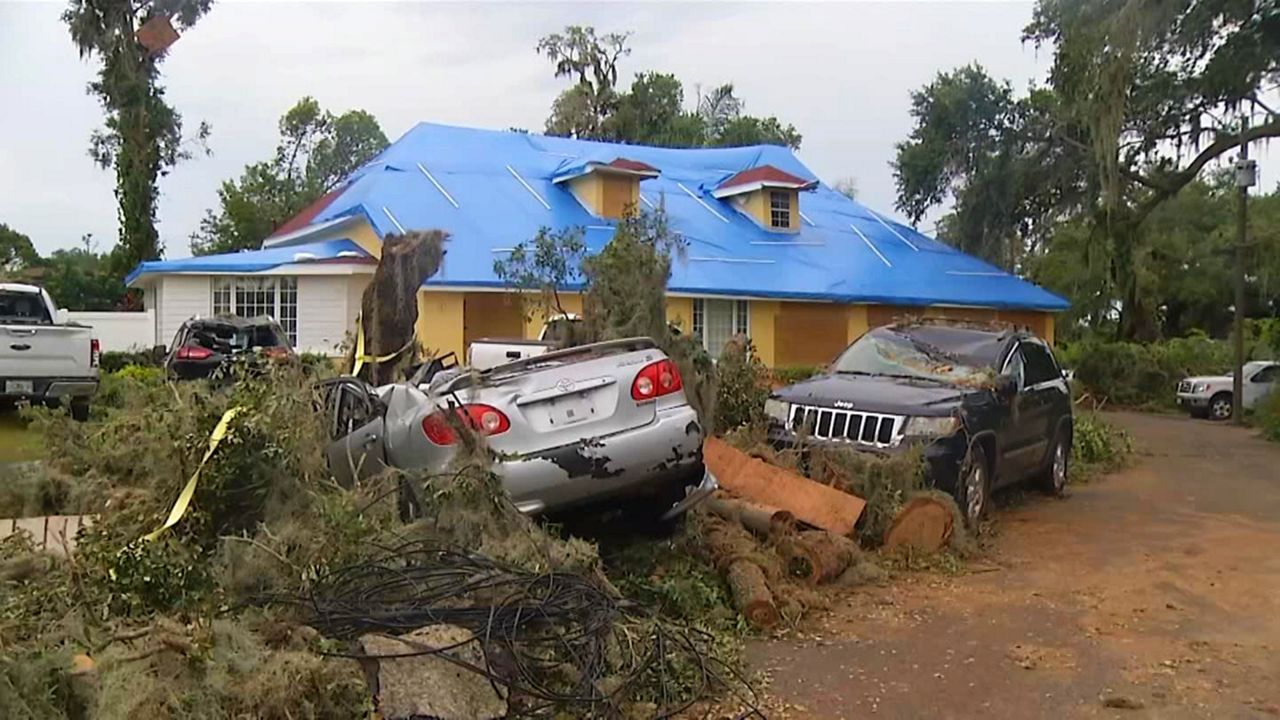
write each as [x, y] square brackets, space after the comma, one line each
[1006, 386]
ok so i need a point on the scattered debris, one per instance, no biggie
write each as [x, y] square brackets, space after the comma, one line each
[760, 519]
[438, 671]
[751, 594]
[1121, 702]
[755, 480]
[817, 556]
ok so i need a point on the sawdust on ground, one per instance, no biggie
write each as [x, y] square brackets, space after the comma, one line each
[1154, 592]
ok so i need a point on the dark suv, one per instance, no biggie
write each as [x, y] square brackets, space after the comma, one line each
[988, 406]
[205, 346]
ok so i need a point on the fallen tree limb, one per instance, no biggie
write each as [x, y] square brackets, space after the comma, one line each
[751, 594]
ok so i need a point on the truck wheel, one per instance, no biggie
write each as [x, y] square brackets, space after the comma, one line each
[1220, 406]
[1053, 479]
[974, 487]
[80, 409]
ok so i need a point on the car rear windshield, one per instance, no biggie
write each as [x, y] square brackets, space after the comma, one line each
[23, 308]
[234, 339]
[891, 353]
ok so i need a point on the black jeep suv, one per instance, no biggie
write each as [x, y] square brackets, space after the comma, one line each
[988, 406]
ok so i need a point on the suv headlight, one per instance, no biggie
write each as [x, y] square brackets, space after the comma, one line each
[777, 410]
[1199, 387]
[931, 426]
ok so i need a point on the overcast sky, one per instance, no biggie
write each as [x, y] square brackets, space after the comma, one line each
[841, 73]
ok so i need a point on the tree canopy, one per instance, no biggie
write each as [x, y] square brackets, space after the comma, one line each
[142, 136]
[317, 150]
[1141, 98]
[16, 252]
[652, 110]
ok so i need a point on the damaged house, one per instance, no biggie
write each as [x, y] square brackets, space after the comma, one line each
[772, 252]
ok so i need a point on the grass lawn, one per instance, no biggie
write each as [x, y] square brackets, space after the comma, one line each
[17, 442]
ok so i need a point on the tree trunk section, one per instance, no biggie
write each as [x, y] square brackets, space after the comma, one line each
[389, 305]
[751, 594]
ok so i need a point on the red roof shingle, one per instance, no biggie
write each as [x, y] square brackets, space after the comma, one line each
[763, 174]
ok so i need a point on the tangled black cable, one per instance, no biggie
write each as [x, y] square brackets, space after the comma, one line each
[531, 626]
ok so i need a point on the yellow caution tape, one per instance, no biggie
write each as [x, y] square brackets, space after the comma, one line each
[361, 358]
[184, 498]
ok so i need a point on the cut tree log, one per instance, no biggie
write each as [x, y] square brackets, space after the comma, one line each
[924, 523]
[760, 519]
[759, 482]
[751, 594]
[389, 305]
[817, 556]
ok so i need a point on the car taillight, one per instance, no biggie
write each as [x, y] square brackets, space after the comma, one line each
[95, 352]
[484, 419]
[276, 353]
[655, 380]
[194, 352]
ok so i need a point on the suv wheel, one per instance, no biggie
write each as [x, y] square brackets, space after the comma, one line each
[1220, 406]
[974, 489]
[80, 409]
[1053, 479]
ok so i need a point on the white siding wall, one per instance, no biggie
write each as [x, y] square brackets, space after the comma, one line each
[120, 331]
[180, 297]
[322, 313]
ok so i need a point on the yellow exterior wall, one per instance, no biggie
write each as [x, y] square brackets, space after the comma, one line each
[572, 303]
[619, 193]
[785, 334]
[680, 312]
[809, 333]
[763, 328]
[607, 195]
[441, 325]
[856, 324]
[756, 204]
[491, 315]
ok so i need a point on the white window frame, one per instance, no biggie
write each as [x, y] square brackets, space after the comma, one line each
[740, 320]
[227, 294]
[776, 212]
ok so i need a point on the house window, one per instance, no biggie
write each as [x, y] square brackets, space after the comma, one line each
[715, 322]
[252, 296]
[780, 210]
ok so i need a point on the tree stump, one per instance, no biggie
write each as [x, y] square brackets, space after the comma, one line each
[924, 523]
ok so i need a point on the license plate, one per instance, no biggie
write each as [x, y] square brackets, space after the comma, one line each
[570, 410]
[19, 387]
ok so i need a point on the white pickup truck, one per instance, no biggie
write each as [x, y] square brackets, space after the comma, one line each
[488, 353]
[42, 357]
[1210, 396]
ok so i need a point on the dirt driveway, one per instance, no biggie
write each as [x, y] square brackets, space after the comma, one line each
[1158, 586]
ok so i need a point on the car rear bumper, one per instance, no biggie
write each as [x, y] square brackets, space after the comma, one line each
[47, 388]
[641, 461]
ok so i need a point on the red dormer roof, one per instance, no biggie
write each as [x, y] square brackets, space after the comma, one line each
[308, 213]
[633, 166]
[761, 177]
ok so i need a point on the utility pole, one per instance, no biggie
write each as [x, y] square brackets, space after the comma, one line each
[1246, 177]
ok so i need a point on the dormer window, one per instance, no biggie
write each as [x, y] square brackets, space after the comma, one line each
[779, 210]
[767, 195]
[606, 189]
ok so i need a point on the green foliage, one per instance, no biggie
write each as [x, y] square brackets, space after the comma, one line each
[1136, 375]
[16, 253]
[627, 280]
[317, 150]
[792, 375]
[540, 268]
[884, 482]
[742, 386]
[1268, 416]
[113, 361]
[652, 111]
[1097, 446]
[81, 279]
[37, 685]
[1141, 98]
[142, 137]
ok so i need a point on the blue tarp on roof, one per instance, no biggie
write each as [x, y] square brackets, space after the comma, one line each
[253, 260]
[843, 252]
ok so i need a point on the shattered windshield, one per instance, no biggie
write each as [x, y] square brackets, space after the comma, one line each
[888, 353]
